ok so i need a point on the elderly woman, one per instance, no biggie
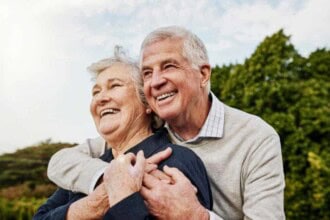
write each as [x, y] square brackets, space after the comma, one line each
[124, 120]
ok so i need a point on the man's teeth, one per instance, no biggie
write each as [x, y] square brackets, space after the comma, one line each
[109, 111]
[165, 95]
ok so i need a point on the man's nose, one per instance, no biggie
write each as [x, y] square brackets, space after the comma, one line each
[157, 80]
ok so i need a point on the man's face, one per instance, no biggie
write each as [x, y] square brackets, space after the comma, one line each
[172, 87]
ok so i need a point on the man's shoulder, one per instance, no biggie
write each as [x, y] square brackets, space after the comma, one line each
[97, 141]
[236, 119]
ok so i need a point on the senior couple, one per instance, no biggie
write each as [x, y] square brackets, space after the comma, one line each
[145, 179]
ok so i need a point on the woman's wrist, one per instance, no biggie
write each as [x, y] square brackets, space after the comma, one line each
[93, 206]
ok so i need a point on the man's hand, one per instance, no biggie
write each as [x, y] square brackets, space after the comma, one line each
[123, 176]
[154, 160]
[177, 200]
[160, 156]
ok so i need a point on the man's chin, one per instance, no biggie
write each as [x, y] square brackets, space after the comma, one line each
[168, 115]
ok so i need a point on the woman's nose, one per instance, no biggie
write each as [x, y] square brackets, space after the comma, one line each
[103, 98]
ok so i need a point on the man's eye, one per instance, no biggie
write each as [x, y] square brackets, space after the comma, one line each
[146, 74]
[168, 66]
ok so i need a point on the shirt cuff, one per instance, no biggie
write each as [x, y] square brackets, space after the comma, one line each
[213, 216]
[95, 179]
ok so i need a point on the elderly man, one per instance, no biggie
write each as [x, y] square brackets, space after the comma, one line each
[241, 152]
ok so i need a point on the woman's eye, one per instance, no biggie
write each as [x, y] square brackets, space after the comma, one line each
[115, 85]
[95, 92]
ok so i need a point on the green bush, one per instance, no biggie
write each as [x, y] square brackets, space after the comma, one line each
[291, 93]
[19, 209]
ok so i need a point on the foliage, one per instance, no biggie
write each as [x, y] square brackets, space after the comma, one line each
[23, 180]
[28, 164]
[292, 94]
[19, 209]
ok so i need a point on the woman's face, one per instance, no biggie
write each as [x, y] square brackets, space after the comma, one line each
[115, 106]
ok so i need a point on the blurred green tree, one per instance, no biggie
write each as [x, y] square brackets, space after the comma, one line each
[291, 93]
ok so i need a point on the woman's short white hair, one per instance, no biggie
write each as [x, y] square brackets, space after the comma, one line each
[120, 56]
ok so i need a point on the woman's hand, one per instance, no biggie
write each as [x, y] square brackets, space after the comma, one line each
[123, 176]
[93, 206]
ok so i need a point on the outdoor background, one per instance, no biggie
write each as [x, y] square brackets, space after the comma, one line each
[270, 58]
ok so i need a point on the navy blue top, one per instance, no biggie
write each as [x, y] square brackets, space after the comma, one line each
[133, 207]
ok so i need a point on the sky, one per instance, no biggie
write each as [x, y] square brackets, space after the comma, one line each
[45, 47]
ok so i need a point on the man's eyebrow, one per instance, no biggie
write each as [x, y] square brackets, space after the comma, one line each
[145, 67]
[169, 60]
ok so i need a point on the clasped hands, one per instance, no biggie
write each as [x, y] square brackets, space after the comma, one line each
[168, 194]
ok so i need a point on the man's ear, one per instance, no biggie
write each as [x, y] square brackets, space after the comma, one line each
[205, 71]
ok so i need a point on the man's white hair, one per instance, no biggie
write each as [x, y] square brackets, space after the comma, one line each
[193, 49]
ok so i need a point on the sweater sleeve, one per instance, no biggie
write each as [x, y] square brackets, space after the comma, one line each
[82, 173]
[263, 181]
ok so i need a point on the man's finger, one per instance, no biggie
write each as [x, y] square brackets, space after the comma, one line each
[140, 161]
[161, 176]
[150, 167]
[146, 194]
[150, 181]
[160, 156]
[178, 176]
[174, 173]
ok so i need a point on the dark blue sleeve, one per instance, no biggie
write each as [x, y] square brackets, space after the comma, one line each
[132, 207]
[55, 207]
[193, 168]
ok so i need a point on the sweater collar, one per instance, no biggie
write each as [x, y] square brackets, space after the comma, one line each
[213, 126]
[148, 145]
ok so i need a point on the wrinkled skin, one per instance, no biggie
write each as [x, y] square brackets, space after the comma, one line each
[176, 200]
[123, 176]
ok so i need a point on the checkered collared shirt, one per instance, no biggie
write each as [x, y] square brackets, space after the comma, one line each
[213, 126]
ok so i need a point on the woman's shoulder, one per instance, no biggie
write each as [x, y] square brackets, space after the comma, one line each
[182, 158]
[180, 155]
[181, 149]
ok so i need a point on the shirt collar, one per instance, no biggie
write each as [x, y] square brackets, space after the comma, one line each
[213, 126]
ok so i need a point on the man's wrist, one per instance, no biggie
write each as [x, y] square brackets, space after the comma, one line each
[203, 213]
[199, 213]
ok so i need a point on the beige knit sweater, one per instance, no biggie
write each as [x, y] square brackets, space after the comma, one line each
[245, 168]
